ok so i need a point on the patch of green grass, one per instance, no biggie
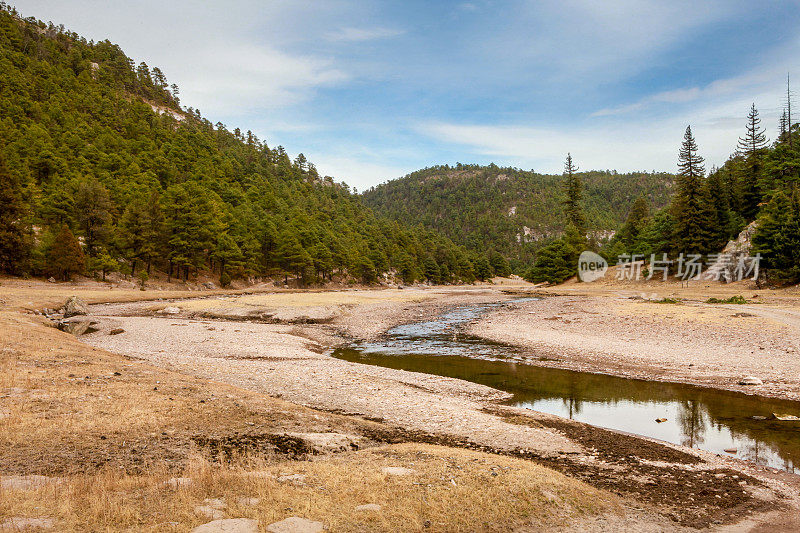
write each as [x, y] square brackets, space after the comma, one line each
[732, 300]
[666, 301]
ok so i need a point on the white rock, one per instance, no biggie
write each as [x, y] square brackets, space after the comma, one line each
[295, 524]
[297, 479]
[229, 525]
[176, 482]
[750, 380]
[209, 512]
[215, 503]
[397, 471]
[248, 501]
[170, 310]
[17, 523]
[369, 507]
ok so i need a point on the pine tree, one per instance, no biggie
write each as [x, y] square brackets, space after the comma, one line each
[751, 148]
[691, 205]
[65, 257]
[777, 238]
[723, 227]
[573, 188]
[93, 206]
[635, 223]
[13, 245]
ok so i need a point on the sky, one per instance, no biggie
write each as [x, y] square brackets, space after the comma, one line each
[372, 90]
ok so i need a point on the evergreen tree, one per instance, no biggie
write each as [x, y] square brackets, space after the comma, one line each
[724, 227]
[93, 206]
[13, 244]
[751, 148]
[573, 188]
[691, 205]
[65, 256]
[637, 220]
[777, 238]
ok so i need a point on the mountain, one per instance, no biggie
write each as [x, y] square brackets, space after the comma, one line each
[510, 210]
[98, 157]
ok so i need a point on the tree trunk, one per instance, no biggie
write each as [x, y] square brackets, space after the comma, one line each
[133, 267]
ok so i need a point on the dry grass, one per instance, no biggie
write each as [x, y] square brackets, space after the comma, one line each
[449, 490]
[113, 430]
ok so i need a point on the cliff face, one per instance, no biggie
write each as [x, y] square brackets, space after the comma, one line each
[734, 257]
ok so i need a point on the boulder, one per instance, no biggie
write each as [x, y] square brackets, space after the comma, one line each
[74, 306]
[51, 279]
[295, 524]
[116, 331]
[229, 525]
[750, 380]
[209, 285]
[77, 325]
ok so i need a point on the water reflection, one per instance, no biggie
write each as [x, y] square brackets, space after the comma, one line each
[698, 417]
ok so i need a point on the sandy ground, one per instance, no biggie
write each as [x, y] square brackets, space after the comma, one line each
[691, 342]
[277, 344]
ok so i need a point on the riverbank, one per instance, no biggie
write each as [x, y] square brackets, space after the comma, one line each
[273, 349]
[677, 340]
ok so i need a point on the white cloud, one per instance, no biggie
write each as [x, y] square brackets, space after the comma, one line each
[362, 34]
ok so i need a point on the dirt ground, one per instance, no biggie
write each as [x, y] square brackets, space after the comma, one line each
[235, 384]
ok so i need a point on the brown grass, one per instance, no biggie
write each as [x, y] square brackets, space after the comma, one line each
[114, 429]
[450, 490]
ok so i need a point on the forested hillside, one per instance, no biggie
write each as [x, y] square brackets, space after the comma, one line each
[102, 170]
[509, 210]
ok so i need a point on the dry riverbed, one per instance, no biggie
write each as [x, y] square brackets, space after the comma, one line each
[217, 387]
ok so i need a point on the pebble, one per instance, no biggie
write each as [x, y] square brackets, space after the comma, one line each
[369, 507]
[397, 471]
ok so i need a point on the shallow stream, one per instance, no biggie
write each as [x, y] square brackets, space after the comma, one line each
[723, 422]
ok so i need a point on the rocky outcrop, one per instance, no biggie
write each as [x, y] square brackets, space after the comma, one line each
[734, 257]
[74, 306]
[77, 325]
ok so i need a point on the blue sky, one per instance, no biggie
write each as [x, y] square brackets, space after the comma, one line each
[372, 90]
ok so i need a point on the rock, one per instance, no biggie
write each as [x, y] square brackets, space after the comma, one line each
[18, 523]
[297, 479]
[397, 471]
[176, 482]
[661, 420]
[731, 450]
[758, 417]
[229, 525]
[209, 512]
[369, 507]
[209, 285]
[170, 310]
[320, 443]
[26, 482]
[74, 306]
[295, 524]
[785, 418]
[247, 501]
[215, 503]
[116, 331]
[77, 325]
[750, 380]
[51, 279]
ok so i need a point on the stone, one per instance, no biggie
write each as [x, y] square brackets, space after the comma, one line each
[18, 523]
[297, 479]
[74, 306]
[209, 285]
[369, 507]
[171, 310]
[247, 501]
[229, 525]
[731, 450]
[750, 380]
[397, 471]
[116, 331]
[320, 443]
[295, 524]
[77, 325]
[215, 503]
[51, 279]
[176, 482]
[661, 420]
[209, 512]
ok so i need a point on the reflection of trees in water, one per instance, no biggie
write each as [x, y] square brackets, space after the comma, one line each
[692, 422]
[573, 399]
